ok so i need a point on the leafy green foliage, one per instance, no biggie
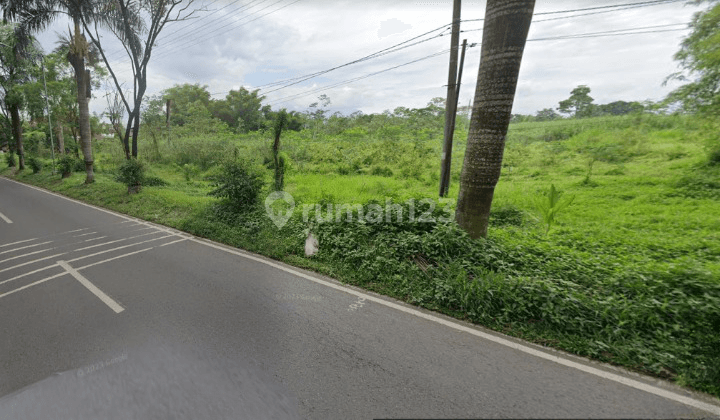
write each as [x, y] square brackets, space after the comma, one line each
[78, 165]
[550, 204]
[131, 173]
[238, 185]
[35, 164]
[154, 181]
[10, 159]
[630, 277]
[66, 165]
[700, 59]
[578, 104]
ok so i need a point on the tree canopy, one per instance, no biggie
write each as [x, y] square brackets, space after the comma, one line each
[699, 58]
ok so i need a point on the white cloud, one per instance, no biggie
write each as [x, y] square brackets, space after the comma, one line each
[225, 48]
[392, 26]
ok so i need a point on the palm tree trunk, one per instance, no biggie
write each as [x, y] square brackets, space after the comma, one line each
[17, 133]
[60, 138]
[77, 59]
[507, 23]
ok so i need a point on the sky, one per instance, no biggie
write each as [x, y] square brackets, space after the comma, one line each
[251, 43]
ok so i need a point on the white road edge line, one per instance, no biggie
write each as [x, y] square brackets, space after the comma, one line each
[499, 340]
[25, 255]
[24, 247]
[2, 216]
[91, 287]
[32, 262]
[18, 242]
[569, 363]
[32, 284]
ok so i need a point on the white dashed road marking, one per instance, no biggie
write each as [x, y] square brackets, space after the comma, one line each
[2, 216]
[91, 287]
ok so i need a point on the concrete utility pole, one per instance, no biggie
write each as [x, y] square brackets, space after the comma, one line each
[449, 111]
[167, 118]
[445, 180]
[47, 108]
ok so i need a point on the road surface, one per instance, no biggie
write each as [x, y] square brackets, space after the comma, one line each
[106, 316]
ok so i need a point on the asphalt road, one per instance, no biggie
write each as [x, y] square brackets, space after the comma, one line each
[105, 316]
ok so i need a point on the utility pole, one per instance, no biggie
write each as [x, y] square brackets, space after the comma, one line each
[445, 180]
[167, 118]
[47, 108]
[451, 89]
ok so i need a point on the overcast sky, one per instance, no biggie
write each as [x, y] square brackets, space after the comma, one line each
[255, 42]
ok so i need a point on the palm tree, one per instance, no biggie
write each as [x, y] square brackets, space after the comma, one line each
[507, 23]
[36, 15]
[14, 62]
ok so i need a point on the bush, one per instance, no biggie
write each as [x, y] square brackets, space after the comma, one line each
[35, 164]
[10, 159]
[714, 157]
[78, 165]
[238, 185]
[65, 165]
[154, 181]
[132, 174]
[381, 171]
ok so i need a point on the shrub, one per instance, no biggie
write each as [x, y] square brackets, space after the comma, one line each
[154, 181]
[78, 165]
[35, 164]
[10, 160]
[381, 171]
[238, 185]
[132, 174]
[65, 165]
[714, 157]
[506, 215]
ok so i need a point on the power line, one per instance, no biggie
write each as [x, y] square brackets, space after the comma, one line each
[344, 82]
[603, 35]
[180, 38]
[352, 62]
[228, 17]
[602, 32]
[385, 51]
[199, 19]
[618, 7]
[192, 44]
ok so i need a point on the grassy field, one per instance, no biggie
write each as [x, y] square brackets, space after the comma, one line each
[629, 273]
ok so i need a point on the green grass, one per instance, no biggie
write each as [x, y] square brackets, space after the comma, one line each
[629, 274]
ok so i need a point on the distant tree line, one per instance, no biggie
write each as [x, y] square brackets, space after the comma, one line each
[580, 105]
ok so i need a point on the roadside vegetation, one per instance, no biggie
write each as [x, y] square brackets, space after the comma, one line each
[628, 272]
[604, 236]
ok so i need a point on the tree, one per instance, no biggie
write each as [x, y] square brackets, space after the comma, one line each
[547, 114]
[699, 57]
[16, 62]
[579, 104]
[504, 35]
[620, 108]
[241, 109]
[318, 113]
[34, 16]
[137, 25]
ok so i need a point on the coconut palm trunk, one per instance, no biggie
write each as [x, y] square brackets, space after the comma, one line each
[506, 26]
[76, 56]
[60, 138]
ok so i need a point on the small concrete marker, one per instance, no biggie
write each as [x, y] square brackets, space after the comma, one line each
[91, 287]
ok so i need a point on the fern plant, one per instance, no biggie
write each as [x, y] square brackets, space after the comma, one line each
[550, 204]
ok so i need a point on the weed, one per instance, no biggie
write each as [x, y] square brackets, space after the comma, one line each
[10, 159]
[35, 164]
[239, 185]
[550, 205]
